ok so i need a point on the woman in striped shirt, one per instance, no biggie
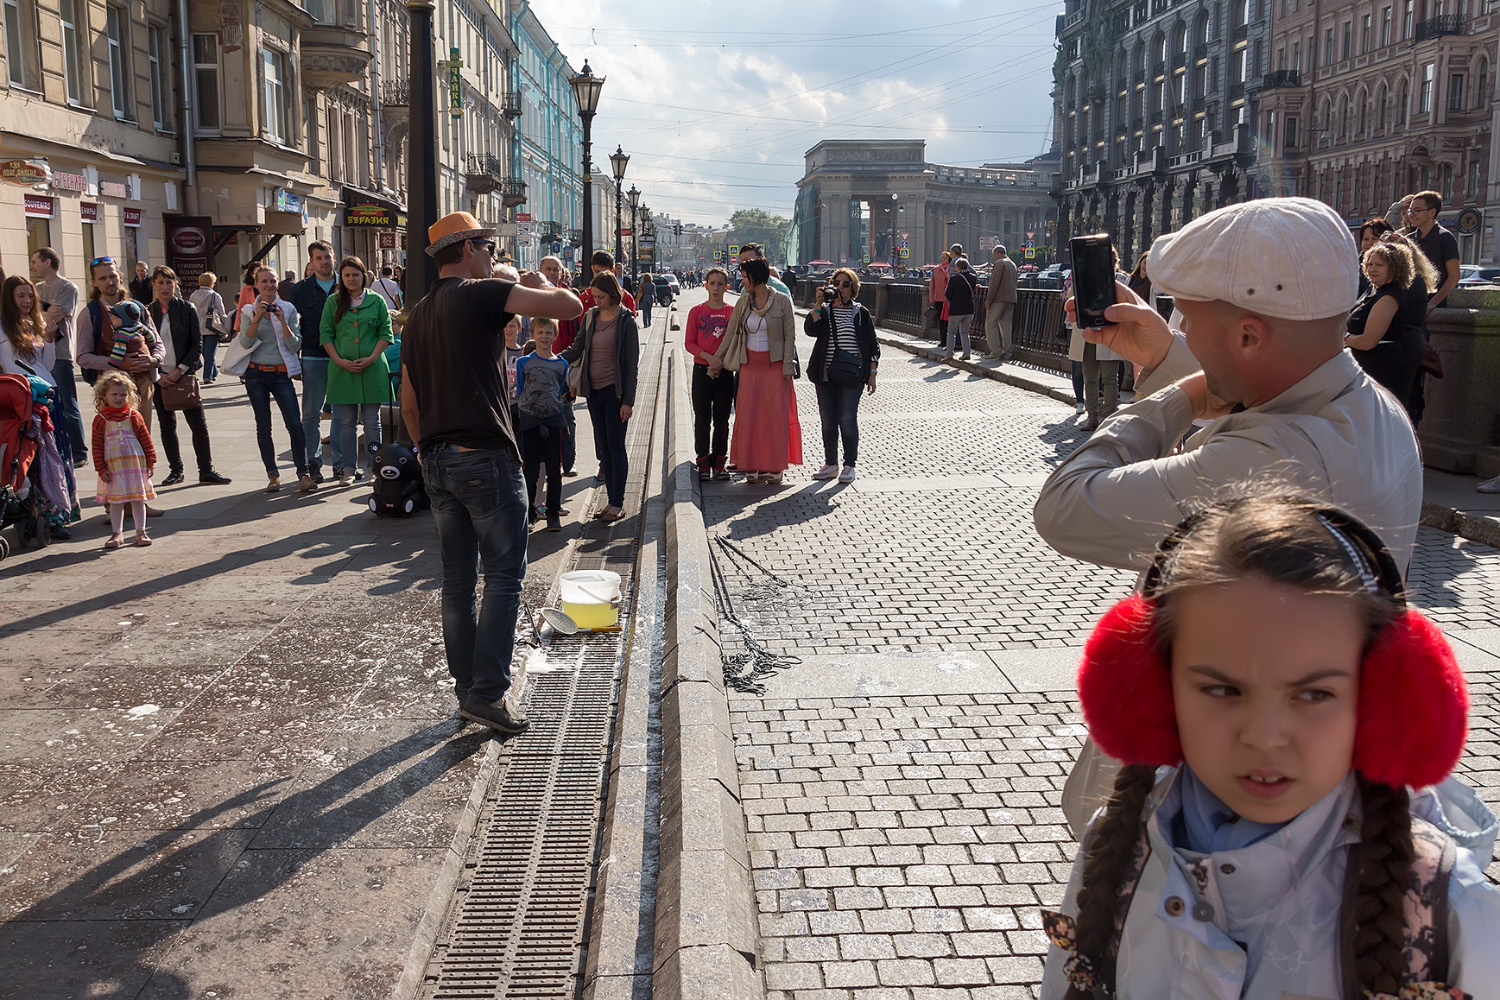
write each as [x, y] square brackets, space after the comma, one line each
[843, 364]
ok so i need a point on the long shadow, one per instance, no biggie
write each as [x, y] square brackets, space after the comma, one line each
[1064, 436]
[45, 923]
[786, 507]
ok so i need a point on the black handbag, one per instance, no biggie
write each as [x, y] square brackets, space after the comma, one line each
[845, 368]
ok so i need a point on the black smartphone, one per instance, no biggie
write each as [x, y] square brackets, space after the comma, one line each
[46, 306]
[1093, 278]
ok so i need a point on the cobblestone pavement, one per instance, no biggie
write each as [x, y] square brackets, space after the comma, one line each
[901, 784]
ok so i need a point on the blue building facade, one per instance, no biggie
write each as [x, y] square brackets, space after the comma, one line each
[548, 152]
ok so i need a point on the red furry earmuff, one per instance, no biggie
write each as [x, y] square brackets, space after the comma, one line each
[1413, 700]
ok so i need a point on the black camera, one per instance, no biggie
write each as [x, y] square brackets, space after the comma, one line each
[830, 294]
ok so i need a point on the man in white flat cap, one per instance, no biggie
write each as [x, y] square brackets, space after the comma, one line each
[1264, 288]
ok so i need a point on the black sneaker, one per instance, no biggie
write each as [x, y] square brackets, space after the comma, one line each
[212, 478]
[499, 716]
[554, 522]
[173, 478]
[317, 476]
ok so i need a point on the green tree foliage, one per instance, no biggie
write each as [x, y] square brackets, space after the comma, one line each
[755, 225]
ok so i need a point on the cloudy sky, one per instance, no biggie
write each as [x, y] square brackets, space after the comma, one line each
[717, 102]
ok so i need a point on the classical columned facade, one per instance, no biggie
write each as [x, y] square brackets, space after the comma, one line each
[861, 201]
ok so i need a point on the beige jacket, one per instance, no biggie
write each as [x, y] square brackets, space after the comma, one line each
[781, 328]
[1336, 434]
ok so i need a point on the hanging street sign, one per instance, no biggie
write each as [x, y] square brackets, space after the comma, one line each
[455, 83]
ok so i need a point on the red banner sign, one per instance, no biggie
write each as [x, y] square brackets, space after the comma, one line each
[132, 217]
[88, 211]
[40, 206]
[387, 241]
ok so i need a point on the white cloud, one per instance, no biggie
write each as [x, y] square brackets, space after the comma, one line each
[716, 103]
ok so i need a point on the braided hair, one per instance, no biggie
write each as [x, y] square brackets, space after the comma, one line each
[1384, 875]
[1111, 842]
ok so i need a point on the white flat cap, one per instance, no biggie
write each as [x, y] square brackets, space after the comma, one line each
[1291, 258]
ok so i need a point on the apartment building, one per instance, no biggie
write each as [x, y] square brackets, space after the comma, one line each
[1372, 99]
[207, 134]
[547, 156]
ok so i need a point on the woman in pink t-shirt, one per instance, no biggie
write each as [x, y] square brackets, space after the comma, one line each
[713, 387]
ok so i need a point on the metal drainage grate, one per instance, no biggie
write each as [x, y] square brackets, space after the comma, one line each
[516, 934]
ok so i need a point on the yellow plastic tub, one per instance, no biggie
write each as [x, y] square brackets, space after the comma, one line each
[591, 598]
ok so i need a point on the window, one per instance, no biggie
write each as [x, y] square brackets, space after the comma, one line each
[1456, 92]
[117, 32]
[1481, 94]
[1447, 184]
[72, 70]
[1297, 57]
[1364, 33]
[1402, 102]
[1348, 39]
[1407, 17]
[322, 11]
[158, 49]
[1364, 113]
[310, 124]
[20, 44]
[1291, 133]
[1471, 189]
[276, 112]
[1424, 96]
[206, 81]
[1385, 26]
[1380, 110]
[335, 167]
[1328, 47]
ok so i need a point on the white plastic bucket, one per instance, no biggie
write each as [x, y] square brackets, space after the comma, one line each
[592, 598]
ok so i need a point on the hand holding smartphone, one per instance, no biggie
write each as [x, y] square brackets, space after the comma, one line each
[1093, 278]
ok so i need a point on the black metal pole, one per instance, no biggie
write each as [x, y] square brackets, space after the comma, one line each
[635, 260]
[619, 239]
[588, 201]
[421, 152]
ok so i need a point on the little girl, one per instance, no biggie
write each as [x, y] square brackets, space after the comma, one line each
[1284, 825]
[123, 454]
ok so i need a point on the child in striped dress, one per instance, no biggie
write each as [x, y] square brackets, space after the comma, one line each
[124, 457]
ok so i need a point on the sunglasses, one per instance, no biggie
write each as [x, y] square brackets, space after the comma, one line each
[488, 245]
[101, 260]
[846, 284]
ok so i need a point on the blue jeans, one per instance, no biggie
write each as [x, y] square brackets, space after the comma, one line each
[210, 354]
[314, 391]
[838, 406]
[344, 437]
[480, 505]
[609, 441]
[67, 407]
[261, 387]
[645, 305]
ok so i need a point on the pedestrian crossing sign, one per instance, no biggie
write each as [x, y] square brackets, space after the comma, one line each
[905, 253]
[1030, 253]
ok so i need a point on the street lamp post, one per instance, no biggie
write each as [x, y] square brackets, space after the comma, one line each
[647, 229]
[617, 161]
[892, 248]
[421, 157]
[635, 261]
[586, 88]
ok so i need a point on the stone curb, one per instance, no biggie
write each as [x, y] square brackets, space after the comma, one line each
[706, 938]
[1475, 527]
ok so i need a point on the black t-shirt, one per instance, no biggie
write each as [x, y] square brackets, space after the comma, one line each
[453, 347]
[1440, 246]
[1410, 312]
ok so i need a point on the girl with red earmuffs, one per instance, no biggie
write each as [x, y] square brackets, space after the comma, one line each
[1284, 824]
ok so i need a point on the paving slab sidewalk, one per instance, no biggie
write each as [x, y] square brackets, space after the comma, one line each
[229, 760]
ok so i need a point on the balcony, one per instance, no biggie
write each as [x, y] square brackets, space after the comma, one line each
[1137, 124]
[485, 173]
[334, 55]
[513, 192]
[510, 105]
[394, 95]
[1281, 78]
[1437, 27]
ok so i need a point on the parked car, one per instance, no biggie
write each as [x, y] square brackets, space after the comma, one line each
[1475, 274]
[664, 292]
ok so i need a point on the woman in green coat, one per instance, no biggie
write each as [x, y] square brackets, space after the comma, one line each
[356, 330]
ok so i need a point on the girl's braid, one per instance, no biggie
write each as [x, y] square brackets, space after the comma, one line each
[1111, 845]
[1384, 875]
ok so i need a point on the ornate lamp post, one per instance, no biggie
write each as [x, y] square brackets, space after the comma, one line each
[421, 157]
[586, 88]
[892, 248]
[647, 229]
[635, 264]
[617, 161]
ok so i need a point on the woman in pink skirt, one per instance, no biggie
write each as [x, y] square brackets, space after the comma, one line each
[761, 344]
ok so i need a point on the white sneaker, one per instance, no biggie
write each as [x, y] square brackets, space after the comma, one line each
[1080, 408]
[847, 476]
[826, 472]
[1489, 486]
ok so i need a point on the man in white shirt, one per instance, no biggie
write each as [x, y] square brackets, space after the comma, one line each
[385, 286]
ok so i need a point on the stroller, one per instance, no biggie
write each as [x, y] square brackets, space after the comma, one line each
[21, 500]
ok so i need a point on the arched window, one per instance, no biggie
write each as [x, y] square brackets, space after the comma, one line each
[1344, 117]
[1363, 100]
[1180, 45]
[1380, 103]
[1482, 96]
[1325, 118]
[1401, 105]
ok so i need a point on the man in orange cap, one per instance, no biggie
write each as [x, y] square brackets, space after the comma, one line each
[455, 403]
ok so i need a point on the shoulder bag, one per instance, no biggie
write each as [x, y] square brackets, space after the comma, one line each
[182, 394]
[575, 372]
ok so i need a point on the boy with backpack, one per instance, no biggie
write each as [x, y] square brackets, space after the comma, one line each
[541, 380]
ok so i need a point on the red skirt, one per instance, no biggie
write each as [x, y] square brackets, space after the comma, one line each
[767, 435]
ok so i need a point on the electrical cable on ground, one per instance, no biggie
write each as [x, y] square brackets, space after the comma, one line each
[744, 671]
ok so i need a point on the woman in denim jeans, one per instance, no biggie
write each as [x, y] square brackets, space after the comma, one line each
[268, 325]
[355, 330]
[608, 352]
[841, 368]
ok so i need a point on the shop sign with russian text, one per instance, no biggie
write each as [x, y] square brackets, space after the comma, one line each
[367, 214]
[25, 173]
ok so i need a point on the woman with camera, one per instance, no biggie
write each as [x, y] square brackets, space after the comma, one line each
[843, 364]
[761, 344]
[268, 330]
